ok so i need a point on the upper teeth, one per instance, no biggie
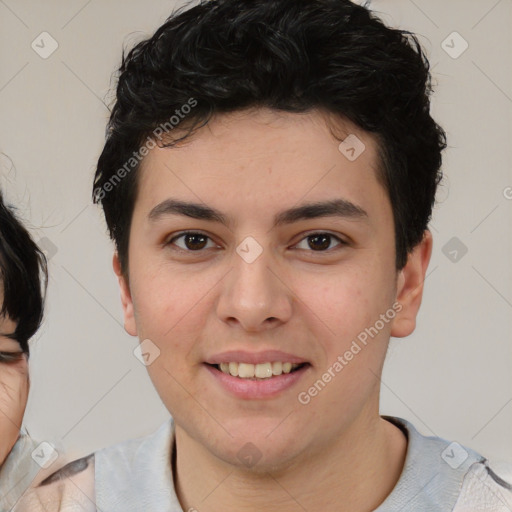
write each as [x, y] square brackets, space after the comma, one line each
[260, 371]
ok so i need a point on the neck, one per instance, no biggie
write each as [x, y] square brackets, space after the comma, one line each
[355, 472]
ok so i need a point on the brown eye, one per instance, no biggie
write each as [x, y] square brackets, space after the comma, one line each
[193, 241]
[320, 242]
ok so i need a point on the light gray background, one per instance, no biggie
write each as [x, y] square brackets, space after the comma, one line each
[451, 378]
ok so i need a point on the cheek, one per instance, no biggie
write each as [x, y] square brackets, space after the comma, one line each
[14, 387]
[160, 297]
[346, 307]
[14, 384]
[344, 302]
[171, 308]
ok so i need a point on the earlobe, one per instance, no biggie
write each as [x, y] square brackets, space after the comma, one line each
[410, 283]
[126, 298]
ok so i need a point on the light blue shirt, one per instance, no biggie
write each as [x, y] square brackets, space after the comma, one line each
[438, 476]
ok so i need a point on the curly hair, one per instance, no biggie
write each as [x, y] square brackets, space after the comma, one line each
[288, 55]
[23, 278]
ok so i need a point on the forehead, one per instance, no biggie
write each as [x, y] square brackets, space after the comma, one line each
[269, 158]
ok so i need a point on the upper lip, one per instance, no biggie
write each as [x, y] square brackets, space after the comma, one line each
[266, 356]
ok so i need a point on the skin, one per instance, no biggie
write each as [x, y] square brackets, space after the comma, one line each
[14, 387]
[335, 452]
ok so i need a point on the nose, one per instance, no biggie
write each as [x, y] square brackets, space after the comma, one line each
[254, 295]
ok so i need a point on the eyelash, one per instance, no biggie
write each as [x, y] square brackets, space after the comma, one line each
[185, 233]
[10, 357]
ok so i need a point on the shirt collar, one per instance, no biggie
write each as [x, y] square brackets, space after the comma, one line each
[432, 475]
[141, 472]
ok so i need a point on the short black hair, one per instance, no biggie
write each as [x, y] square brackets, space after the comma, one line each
[222, 56]
[23, 277]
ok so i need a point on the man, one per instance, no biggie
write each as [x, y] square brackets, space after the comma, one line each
[268, 178]
[23, 277]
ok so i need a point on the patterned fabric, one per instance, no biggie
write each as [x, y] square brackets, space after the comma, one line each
[17, 472]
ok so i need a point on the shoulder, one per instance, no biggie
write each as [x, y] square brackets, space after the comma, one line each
[486, 490]
[69, 489]
[117, 477]
[130, 473]
[447, 476]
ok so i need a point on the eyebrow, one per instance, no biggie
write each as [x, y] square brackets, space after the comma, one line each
[333, 208]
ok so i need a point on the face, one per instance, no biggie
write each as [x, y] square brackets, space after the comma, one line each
[14, 385]
[266, 281]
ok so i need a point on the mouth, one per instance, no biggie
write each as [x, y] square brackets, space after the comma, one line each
[262, 375]
[260, 371]
[260, 381]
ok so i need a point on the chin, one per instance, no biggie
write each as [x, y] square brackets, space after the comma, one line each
[258, 452]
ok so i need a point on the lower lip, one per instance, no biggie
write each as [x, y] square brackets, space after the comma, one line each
[257, 389]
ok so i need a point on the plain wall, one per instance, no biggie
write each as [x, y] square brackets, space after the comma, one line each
[451, 378]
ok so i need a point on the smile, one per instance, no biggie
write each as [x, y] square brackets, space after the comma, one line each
[257, 371]
[259, 381]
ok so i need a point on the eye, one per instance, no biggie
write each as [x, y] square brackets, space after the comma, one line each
[320, 241]
[193, 241]
[10, 357]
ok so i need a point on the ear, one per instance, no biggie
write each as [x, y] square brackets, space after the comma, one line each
[126, 298]
[410, 287]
